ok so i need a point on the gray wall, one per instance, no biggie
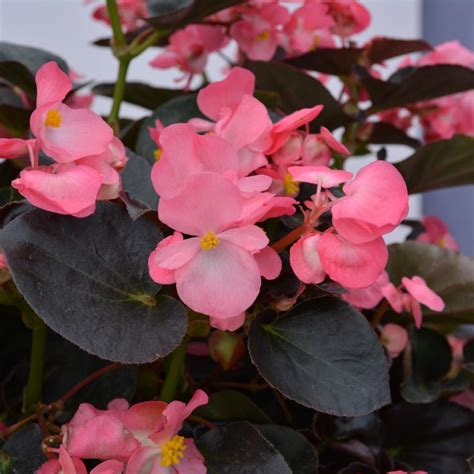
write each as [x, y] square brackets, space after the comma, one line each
[444, 20]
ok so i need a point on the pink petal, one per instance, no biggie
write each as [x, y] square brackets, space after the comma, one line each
[192, 461]
[148, 460]
[254, 184]
[352, 265]
[376, 202]
[64, 190]
[165, 60]
[332, 143]
[319, 174]
[393, 296]
[70, 465]
[418, 288]
[144, 419]
[209, 202]
[304, 259]
[176, 254]
[394, 338]
[370, 297]
[269, 263]
[222, 281]
[15, 147]
[81, 133]
[50, 467]
[157, 273]
[249, 237]
[226, 94]
[109, 467]
[228, 324]
[52, 84]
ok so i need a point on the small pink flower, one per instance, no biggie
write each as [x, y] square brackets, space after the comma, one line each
[350, 16]
[64, 465]
[394, 338]
[131, 13]
[450, 52]
[318, 148]
[437, 233]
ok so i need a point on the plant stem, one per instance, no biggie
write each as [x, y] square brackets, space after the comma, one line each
[174, 374]
[34, 387]
[119, 92]
[114, 17]
[293, 236]
[379, 314]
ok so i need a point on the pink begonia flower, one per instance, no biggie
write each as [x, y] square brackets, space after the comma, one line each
[308, 28]
[189, 48]
[162, 450]
[450, 52]
[64, 465]
[394, 338]
[350, 16]
[398, 117]
[231, 105]
[318, 148]
[131, 13]
[370, 297]
[61, 188]
[417, 292]
[437, 233]
[215, 272]
[376, 201]
[63, 133]
[258, 32]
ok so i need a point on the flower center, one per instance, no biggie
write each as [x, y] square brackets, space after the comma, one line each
[157, 154]
[263, 36]
[291, 187]
[209, 241]
[172, 451]
[53, 118]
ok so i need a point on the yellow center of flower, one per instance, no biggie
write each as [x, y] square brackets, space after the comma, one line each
[172, 451]
[209, 241]
[263, 36]
[291, 187]
[157, 154]
[53, 118]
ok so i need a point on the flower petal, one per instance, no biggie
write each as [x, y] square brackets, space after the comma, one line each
[249, 237]
[304, 259]
[52, 84]
[319, 174]
[419, 290]
[269, 263]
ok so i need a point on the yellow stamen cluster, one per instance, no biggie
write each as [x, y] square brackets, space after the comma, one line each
[53, 118]
[291, 187]
[209, 241]
[263, 36]
[172, 451]
[157, 154]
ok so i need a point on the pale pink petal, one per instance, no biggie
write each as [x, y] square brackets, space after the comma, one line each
[64, 190]
[158, 274]
[222, 281]
[319, 174]
[393, 296]
[254, 184]
[14, 147]
[304, 259]
[50, 467]
[249, 237]
[177, 254]
[269, 263]
[52, 84]
[352, 265]
[192, 461]
[394, 338]
[144, 419]
[376, 202]
[415, 309]
[370, 297]
[209, 202]
[315, 152]
[418, 288]
[165, 60]
[227, 93]
[109, 467]
[227, 324]
[332, 143]
[146, 460]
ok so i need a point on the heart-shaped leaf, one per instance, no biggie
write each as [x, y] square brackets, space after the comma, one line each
[439, 165]
[324, 355]
[88, 280]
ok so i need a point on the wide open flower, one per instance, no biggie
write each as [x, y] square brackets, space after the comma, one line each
[376, 201]
[216, 272]
[63, 133]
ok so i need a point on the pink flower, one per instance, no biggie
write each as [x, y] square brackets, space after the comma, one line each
[394, 338]
[450, 52]
[437, 233]
[318, 148]
[417, 292]
[350, 16]
[370, 297]
[64, 465]
[258, 32]
[189, 48]
[216, 272]
[131, 13]
[376, 202]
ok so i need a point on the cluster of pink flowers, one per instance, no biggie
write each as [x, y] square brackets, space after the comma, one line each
[260, 27]
[142, 439]
[444, 117]
[86, 156]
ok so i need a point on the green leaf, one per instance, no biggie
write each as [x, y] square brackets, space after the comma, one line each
[140, 94]
[229, 405]
[381, 49]
[296, 90]
[179, 109]
[437, 438]
[88, 280]
[447, 273]
[424, 83]
[431, 359]
[240, 448]
[439, 165]
[323, 354]
[295, 448]
[32, 58]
